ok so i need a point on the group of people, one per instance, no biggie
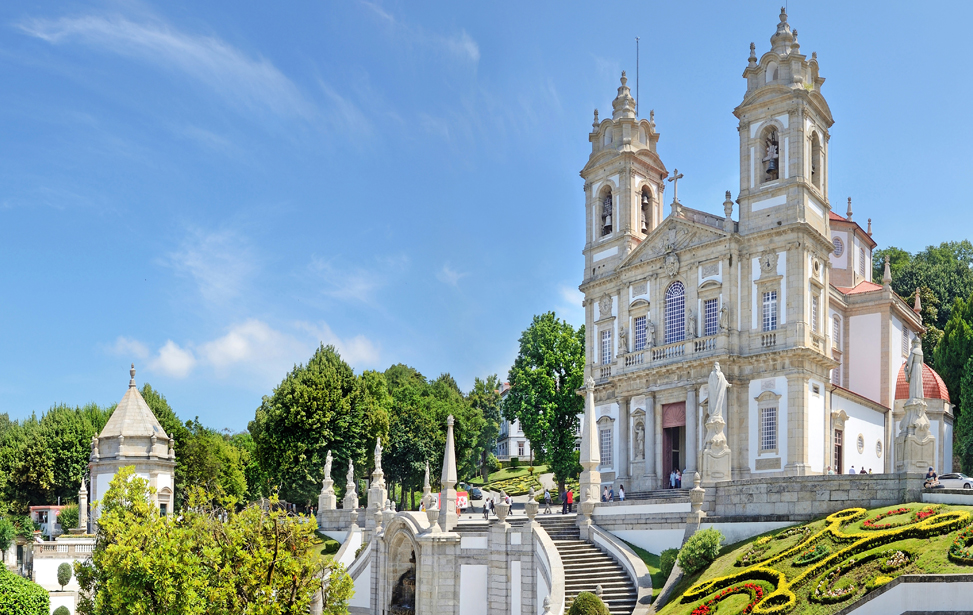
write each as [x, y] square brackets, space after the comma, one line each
[675, 479]
[608, 494]
[567, 503]
[851, 470]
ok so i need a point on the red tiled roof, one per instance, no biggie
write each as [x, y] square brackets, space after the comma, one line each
[833, 216]
[933, 386]
[861, 287]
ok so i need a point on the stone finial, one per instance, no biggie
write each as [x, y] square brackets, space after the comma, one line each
[131, 383]
[814, 56]
[547, 605]
[887, 275]
[594, 124]
[624, 105]
[848, 213]
[624, 78]
[869, 227]
[918, 306]
[753, 54]
[652, 118]
[795, 35]
[599, 590]
[728, 212]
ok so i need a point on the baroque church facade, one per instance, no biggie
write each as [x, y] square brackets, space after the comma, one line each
[782, 297]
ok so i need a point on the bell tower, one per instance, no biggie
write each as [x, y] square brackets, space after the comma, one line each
[624, 180]
[784, 123]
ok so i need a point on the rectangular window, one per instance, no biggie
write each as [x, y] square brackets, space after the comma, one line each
[606, 447]
[861, 261]
[836, 373]
[163, 509]
[836, 333]
[640, 333]
[906, 347]
[770, 311]
[606, 346]
[768, 429]
[711, 316]
[838, 465]
[520, 449]
[814, 314]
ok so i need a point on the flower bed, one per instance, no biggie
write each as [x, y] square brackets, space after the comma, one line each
[874, 525]
[755, 591]
[894, 560]
[960, 550]
[817, 552]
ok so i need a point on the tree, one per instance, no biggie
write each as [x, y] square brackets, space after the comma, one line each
[310, 412]
[207, 560]
[67, 434]
[68, 517]
[21, 597]
[963, 441]
[544, 381]
[7, 534]
[929, 312]
[210, 461]
[955, 348]
[946, 269]
[63, 574]
[485, 398]
[415, 436]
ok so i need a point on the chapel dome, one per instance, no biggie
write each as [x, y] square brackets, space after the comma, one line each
[933, 386]
[132, 430]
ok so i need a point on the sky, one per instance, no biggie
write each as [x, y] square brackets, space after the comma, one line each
[212, 189]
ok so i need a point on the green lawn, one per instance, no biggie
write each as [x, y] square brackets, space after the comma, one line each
[508, 473]
[653, 564]
[779, 553]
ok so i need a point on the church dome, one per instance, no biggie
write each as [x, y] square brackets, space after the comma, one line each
[132, 430]
[933, 386]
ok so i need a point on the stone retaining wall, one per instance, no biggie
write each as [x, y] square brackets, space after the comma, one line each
[806, 497]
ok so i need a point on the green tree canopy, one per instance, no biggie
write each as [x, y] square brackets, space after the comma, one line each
[485, 399]
[544, 380]
[955, 348]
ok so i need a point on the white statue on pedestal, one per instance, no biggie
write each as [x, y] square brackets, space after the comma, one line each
[915, 447]
[716, 453]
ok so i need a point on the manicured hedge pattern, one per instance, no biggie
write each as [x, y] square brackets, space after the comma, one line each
[926, 522]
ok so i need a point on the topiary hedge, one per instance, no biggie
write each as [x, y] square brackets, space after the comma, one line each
[667, 561]
[21, 597]
[61, 610]
[588, 604]
[700, 550]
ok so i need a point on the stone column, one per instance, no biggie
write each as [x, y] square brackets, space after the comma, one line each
[692, 423]
[624, 449]
[651, 469]
[82, 508]
[447, 508]
[659, 478]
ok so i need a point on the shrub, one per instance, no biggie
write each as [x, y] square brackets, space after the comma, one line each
[21, 597]
[492, 463]
[331, 546]
[588, 604]
[63, 574]
[700, 550]
[61, 610]
[515, 462]
[68, 517]
[7, 534]
[363, 546]
[667, 561]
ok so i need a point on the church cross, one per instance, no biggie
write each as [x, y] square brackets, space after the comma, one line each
[675, 185]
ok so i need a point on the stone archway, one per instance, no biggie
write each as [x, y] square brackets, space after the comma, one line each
[401, 574]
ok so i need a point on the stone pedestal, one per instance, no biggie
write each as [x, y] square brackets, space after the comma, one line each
[915, 447]
[716, 454]
[327, 500]
[351, 500]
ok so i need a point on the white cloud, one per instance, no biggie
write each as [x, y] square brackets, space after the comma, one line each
[128, 347]
[252, 342]
[358, 351]
[253, 83]
[448, 275]
[344, 282]
[460, 45]
[173, 360]
[219, 262]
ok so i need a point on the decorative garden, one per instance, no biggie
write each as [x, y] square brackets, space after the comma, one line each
[821, 567]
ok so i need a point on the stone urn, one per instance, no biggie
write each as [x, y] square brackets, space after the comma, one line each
[532, 506]
[502, 508]
[432, 514]
[696, 494]
[587, 508]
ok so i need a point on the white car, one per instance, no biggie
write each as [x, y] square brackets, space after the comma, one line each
[956, 481]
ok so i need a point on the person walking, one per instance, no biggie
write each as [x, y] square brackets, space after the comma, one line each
[672, 479]
[611, 494]
[570, 500]
[678, 479]
[621, 493]
[547, 501]
[564, 502]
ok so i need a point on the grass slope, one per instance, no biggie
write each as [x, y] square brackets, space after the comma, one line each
[654, 565]
[845, 539]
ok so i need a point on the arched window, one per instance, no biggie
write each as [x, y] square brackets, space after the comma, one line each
[817, 168]
[675, 313]
[771, 72]
[606, 213]
[645, 215]
[608, 137]
[771, 154]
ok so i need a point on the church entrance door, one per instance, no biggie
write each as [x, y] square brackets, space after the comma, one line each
[673, 433]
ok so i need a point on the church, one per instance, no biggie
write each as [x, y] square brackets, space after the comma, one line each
[777, 288]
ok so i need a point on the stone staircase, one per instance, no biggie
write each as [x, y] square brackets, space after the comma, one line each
[586, 567]
[669, 495]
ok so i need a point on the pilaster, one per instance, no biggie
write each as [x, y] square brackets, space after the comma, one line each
[692, 425]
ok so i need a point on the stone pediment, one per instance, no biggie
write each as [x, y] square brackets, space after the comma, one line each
[671, 237]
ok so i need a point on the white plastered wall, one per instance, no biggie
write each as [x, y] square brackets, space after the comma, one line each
[473, 589]
[817, 442]
[840, 262]
[45, 573]
[779, 387]
[870, 424]
[864, 356]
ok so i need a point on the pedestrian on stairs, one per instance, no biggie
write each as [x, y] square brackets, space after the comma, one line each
[672, 479]
[621, 493]
[547, 501]
[564, 501]
[570, 500]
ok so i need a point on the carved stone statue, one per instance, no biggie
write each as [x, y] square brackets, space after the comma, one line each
[639, 440]
[717, 391]
[622, 340]
[351, 473]
[378, 453]
[724, 318]
[649, 333]
[913, 370]
[327, 467]
[690, 324]
[590, 384]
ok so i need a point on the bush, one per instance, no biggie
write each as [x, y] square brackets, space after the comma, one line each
[21, 597]
[700, 550]
[667, 561]
[331, 546]
[68, 517]
[492, 463]
[64, 574]
[61, 610]
[588, 604]
[515, 462]
[7, 534]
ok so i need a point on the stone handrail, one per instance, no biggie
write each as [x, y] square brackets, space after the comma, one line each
[551, 560]
[674, 351]
[346, 554]
[358, 565]
[637, 571]
[60, 550]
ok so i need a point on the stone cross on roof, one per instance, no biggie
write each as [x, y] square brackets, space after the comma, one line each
[676, 176]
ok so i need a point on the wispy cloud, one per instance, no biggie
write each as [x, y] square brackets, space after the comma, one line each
[346, 282]
[128, 347]
[219, 263]
[251, 83]
[358, 351]
[448, 275]
[459, 45]
[173, 360]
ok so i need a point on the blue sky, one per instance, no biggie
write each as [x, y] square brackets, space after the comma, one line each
[211, 189]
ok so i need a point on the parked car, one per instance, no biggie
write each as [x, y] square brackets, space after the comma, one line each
[476, 494]
[956, 481]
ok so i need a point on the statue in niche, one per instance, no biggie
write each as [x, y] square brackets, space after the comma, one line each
[622, 341]
[690, 324]
[639, 440]
[649, 333]
[771, 159]
[724, 318]
[404, 592]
